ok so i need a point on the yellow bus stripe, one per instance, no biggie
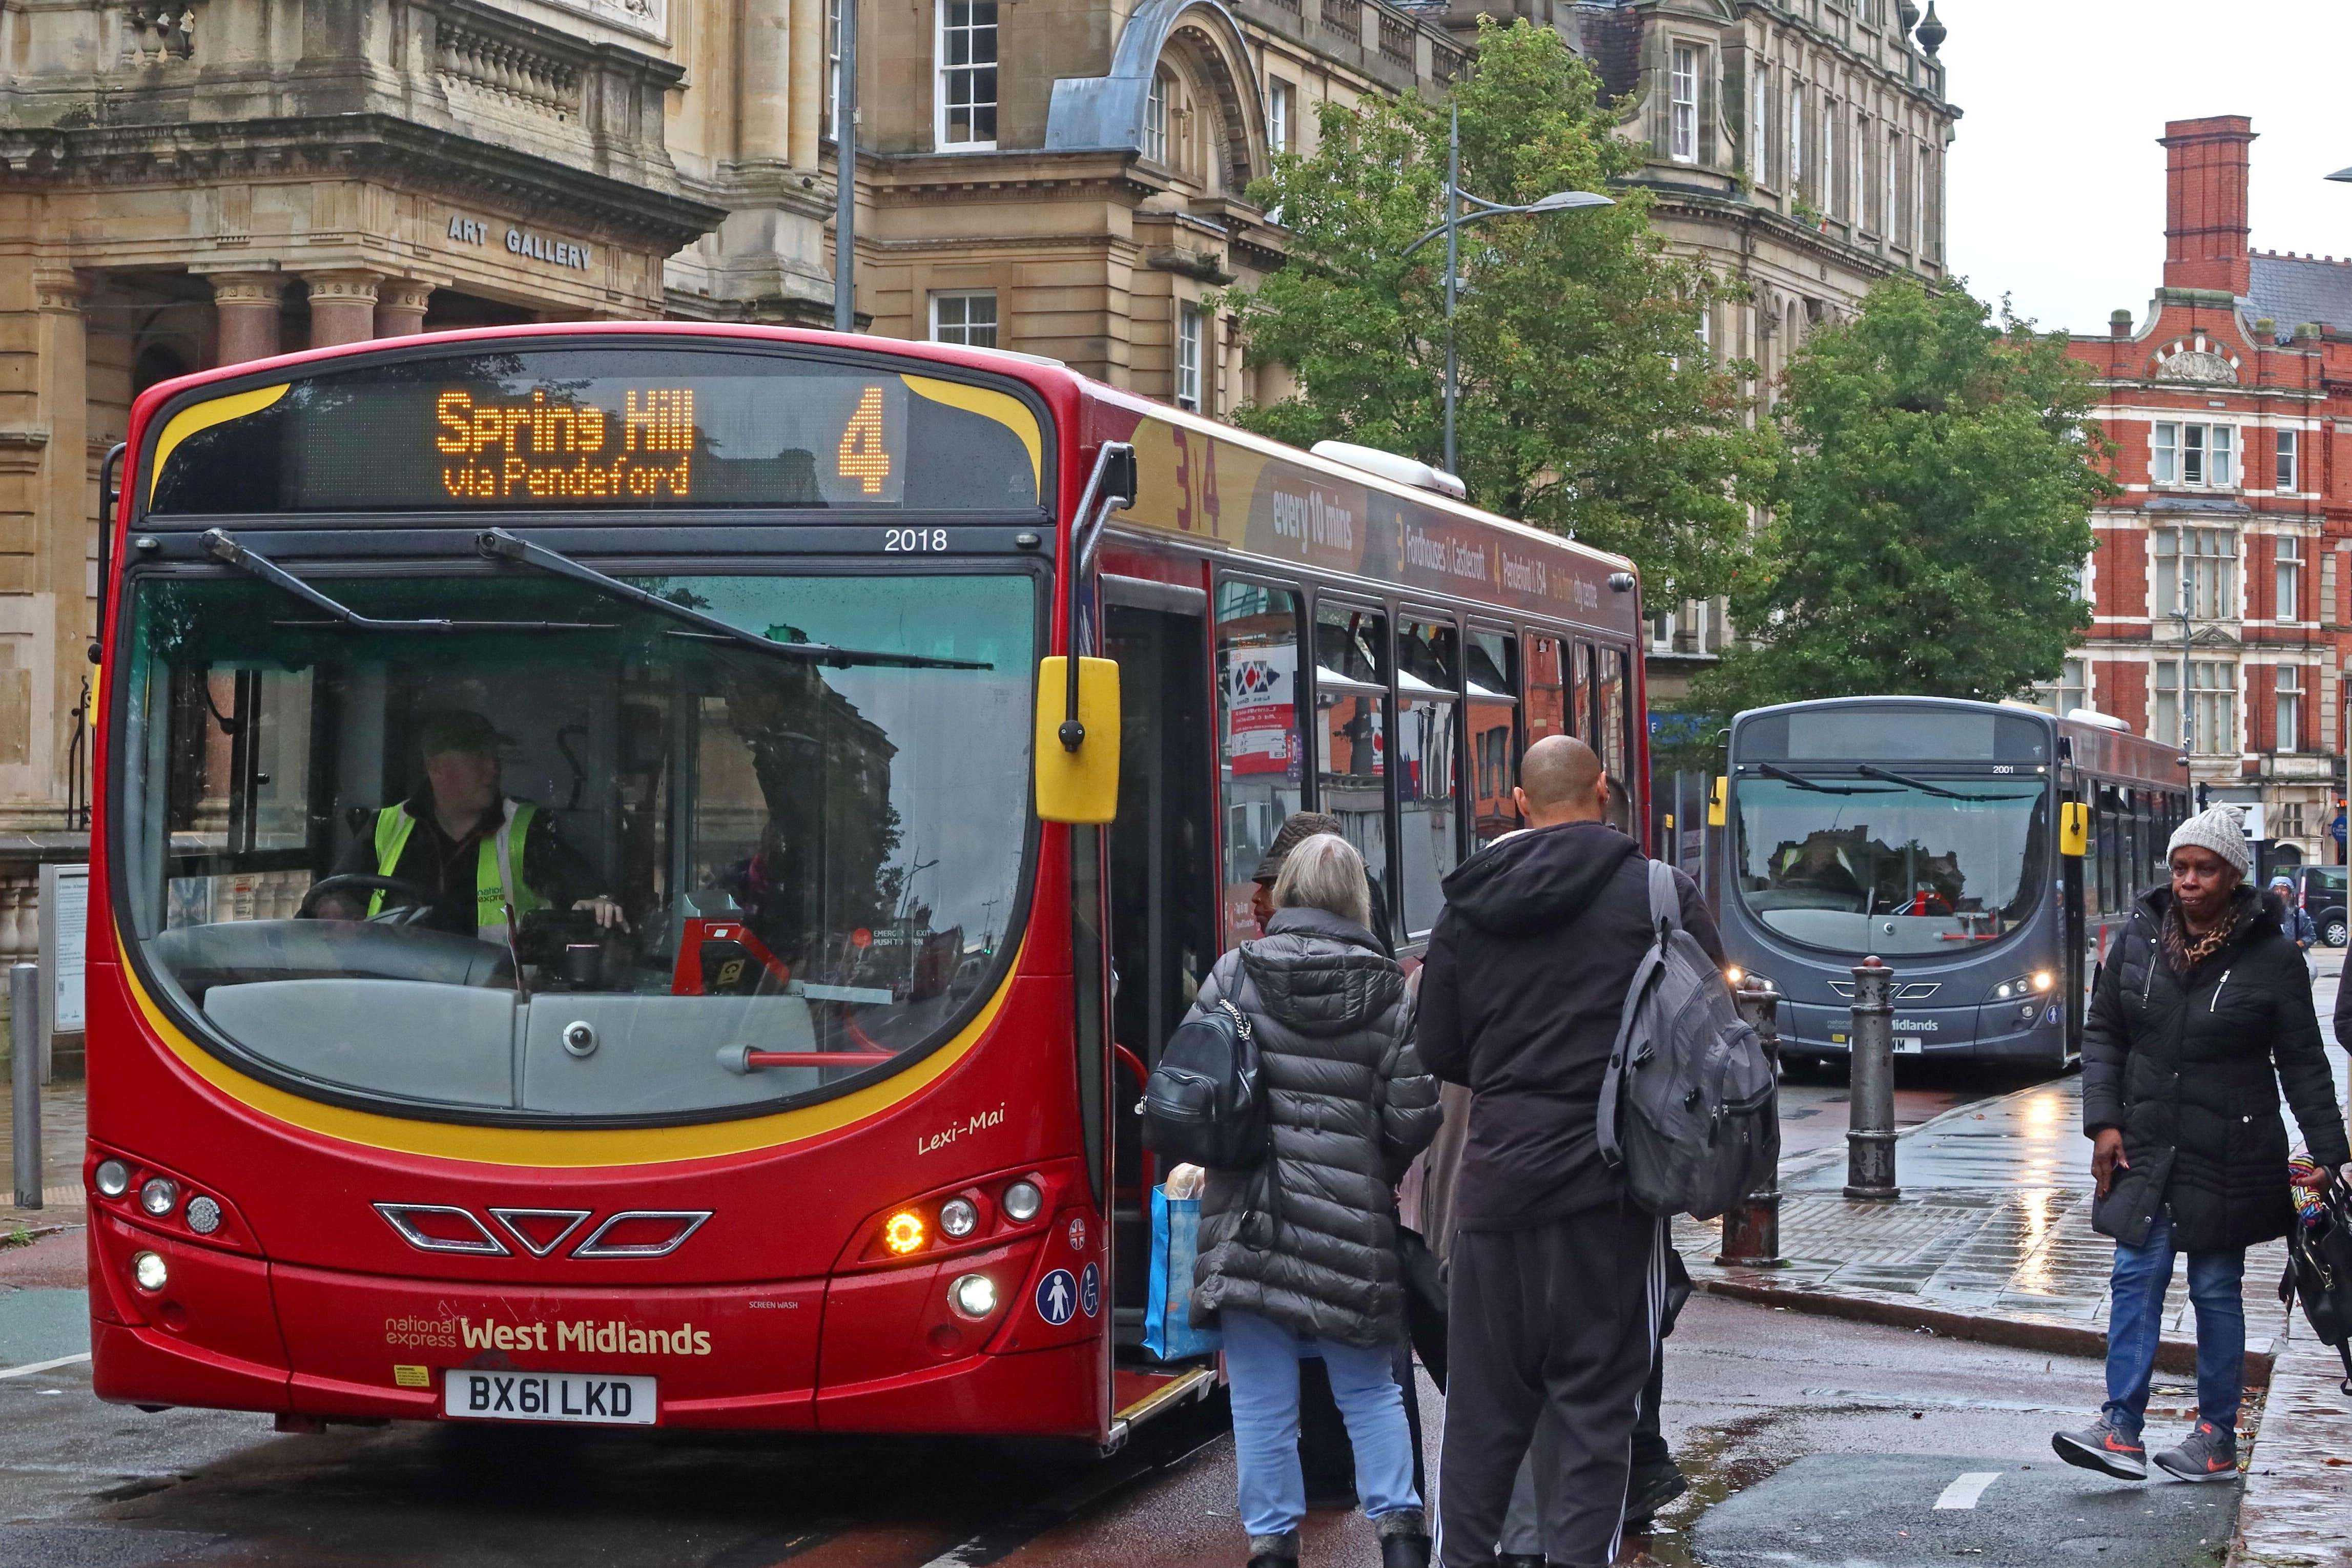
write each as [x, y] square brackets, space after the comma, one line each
[203, 416]
[1003, 407]
[559, 1147]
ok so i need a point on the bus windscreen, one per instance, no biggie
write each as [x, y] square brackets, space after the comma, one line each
[599, 428]
[1869, 865]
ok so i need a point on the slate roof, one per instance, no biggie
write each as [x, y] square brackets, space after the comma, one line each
[2293, 289]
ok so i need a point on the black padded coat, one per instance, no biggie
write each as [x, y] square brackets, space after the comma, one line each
[2188, 1067]
[1308, 1239]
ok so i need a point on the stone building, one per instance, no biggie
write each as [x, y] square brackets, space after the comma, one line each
[2217, 581]
[1068, 178]
[1797, 147]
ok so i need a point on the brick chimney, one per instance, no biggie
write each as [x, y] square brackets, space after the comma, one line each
[2205, 203]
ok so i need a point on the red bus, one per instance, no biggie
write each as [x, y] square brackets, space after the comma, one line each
[761, 1051]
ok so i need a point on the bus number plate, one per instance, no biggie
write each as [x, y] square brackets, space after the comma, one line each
[1909, 1046]
[472, 1395]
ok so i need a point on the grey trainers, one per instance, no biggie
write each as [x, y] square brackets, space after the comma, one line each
[2099, 1446]
[2207, 1454]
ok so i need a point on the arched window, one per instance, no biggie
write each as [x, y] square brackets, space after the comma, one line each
[1155, 116]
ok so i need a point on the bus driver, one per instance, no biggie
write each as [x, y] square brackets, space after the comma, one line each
[457, 836]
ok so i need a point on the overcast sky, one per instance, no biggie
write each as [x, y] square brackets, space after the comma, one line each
[2057, 184]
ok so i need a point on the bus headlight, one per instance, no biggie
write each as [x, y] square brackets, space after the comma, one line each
[204, 1216]
[113, 1178]
[958, 1217]
[2043, 980]
[148, 1272]
[160, 1196]
[1022, 1200]
[972, 1295]
[2040, 981]
[1737, 977]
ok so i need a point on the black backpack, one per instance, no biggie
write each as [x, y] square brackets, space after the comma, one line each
[2319, 1271]
[1205, 1104]
[1688, 1109]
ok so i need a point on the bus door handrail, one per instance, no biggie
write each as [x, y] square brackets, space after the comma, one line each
[109, 474]
[1109, 488]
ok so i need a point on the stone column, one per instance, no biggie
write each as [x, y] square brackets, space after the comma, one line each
[343, 308]
[763, 83]
[807, 80]
[400, 307]
[247, 304]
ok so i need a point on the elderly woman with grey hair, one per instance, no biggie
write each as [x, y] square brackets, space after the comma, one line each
[1297, 1255]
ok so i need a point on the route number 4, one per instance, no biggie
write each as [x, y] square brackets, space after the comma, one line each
[863, 456]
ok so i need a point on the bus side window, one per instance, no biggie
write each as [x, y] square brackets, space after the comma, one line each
[1260, 759]
[2092, 868]
[1548, 712]
[1612, 723]
[1352, 743]
[1493, 716]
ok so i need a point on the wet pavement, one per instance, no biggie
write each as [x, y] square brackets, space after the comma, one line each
[64, 1125]
[1993, 1224]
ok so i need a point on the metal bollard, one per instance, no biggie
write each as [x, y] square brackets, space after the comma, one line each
[1870, 1101]
[25, 1079]
[1751, 1230]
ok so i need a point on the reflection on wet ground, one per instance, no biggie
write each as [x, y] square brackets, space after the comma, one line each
[1995, 1217]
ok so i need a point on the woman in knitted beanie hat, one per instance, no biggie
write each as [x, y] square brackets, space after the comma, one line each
[2203, 1008]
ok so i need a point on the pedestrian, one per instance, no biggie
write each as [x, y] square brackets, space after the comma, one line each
[2201, 1010]
[2297, 922]
[1323, 1451]
[1557, 1280]
[1298, 1256]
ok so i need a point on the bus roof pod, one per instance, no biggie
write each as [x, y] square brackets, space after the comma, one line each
[1392, 466]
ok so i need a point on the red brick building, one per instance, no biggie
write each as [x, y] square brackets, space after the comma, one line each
[2219, 577]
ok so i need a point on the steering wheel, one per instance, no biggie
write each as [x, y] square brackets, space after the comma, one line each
[417, 903]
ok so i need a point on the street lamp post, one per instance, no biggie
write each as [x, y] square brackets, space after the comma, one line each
[845, 177]
[1558, 200]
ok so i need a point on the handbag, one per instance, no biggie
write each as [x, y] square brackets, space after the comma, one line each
[2319, 1269]
[1424, 1301]
[1168, 1331]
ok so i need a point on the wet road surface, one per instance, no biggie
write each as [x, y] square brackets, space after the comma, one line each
[1784, 1421]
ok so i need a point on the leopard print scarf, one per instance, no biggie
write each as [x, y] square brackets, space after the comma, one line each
[2186, 951]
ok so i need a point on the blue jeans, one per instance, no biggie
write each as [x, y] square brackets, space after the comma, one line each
[2136, 1325]
[1262, 1365]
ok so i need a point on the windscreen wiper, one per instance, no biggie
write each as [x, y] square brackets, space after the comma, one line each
[1785, 776]
[1925, 787]
[223, 547]
[498, 544]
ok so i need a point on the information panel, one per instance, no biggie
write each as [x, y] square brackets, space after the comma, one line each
[651, 427]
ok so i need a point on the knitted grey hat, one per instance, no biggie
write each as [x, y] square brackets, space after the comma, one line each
[2219, 828]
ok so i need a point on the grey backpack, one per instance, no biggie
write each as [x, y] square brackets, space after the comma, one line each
[1687, 1110]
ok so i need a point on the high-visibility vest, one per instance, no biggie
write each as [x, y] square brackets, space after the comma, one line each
[496, 886]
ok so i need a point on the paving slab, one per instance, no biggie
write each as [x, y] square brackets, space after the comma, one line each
[2297, 1511]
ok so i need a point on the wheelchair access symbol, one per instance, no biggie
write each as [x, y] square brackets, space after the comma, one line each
[1057, 1297]
[1090, 1290]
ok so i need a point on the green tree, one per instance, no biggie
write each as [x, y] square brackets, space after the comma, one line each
[1930, 516]
[1589, 405]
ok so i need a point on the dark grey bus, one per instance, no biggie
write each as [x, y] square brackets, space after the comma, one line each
[1936, 835]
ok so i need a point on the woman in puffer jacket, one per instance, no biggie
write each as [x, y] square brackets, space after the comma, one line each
[2202, 1009]
[1297, 1257]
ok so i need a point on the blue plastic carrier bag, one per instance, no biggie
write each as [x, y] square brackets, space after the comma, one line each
[1168, 1331]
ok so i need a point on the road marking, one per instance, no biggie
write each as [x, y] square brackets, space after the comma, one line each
[1964, 1492]
[29, 1368]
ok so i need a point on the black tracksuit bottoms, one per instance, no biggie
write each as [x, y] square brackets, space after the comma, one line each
[1563, 1314]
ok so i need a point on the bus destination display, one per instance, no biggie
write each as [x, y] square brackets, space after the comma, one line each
[591, 429]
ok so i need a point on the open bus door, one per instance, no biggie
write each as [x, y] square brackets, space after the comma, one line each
[1163, 909]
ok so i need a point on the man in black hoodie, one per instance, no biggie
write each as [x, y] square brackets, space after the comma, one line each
[1557, 1280]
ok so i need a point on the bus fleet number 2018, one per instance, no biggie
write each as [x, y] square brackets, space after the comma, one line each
[896, 540]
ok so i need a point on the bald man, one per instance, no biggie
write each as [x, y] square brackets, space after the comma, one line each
[1557, 1283]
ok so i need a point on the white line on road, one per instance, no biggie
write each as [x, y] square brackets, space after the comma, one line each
[1964, 1492]
[29, 1368]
